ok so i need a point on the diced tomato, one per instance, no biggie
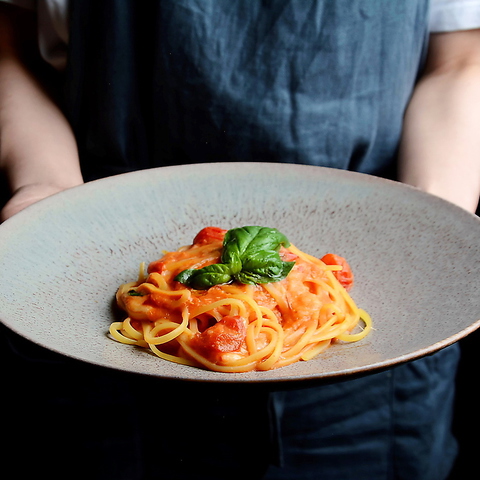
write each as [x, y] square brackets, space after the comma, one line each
[286, 255]
[209, 234]
[156, 266]
[136, 325]
[227, 335]
[345, 275]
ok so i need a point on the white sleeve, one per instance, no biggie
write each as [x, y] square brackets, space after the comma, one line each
[52, 17]
[451, 15]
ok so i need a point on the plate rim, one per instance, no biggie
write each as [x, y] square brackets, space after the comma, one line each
[218, 377]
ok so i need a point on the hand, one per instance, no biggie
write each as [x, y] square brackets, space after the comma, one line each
[27, 195]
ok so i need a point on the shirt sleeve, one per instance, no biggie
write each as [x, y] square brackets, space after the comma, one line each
[452, 15]
[52, 17]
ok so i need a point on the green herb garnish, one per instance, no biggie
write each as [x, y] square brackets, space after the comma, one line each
[250, 256]
[134, 293]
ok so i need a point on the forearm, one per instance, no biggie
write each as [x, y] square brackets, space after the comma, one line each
[36, 141]
[440, 148]
[38, 152]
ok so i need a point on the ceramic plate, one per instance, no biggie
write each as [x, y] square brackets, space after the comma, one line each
[415, 256]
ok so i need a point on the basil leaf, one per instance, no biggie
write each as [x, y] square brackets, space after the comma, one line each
[258, 277]
[266, 239]
[205, 277]
[235, 243]
[261, 259]
[250, 256]
[268, 269]
[134, 293]
[241, 243]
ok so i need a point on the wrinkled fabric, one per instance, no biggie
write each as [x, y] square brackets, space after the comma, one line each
[393, 425]
[68, 419]
[174, 81]
[187, 81]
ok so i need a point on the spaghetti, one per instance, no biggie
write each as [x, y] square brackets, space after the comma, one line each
[236, 327]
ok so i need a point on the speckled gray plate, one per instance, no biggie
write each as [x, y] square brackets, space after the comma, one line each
[416, 258]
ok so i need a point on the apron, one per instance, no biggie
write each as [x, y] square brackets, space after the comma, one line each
[184, 81]
[170, 82]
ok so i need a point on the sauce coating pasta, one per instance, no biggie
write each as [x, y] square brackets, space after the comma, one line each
[237, 327]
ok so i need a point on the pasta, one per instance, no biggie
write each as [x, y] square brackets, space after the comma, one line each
[239, 327]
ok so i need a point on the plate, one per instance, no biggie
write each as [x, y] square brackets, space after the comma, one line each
[416, 259]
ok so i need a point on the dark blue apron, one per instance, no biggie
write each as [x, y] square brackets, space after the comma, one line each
[152, 83]
[165, 82]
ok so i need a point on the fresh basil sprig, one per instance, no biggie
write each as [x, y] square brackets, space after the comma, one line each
[250, 256]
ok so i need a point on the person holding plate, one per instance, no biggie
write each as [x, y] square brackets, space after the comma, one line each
[383, 88]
